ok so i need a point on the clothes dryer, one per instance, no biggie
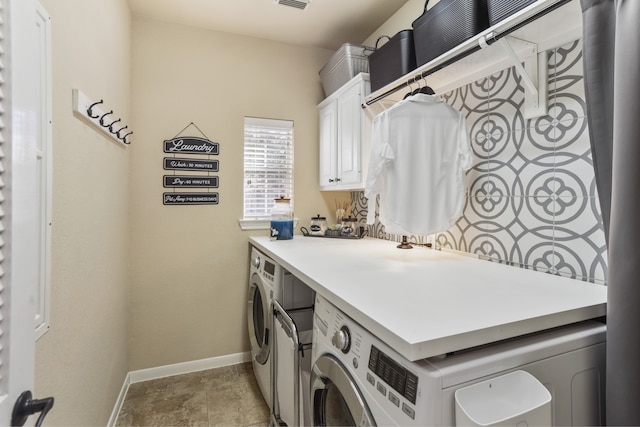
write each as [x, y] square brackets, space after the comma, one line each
[358, 380]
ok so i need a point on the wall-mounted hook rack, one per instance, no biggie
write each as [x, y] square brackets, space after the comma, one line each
[92, 113]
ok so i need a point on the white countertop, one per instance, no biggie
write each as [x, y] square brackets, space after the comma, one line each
[423, 302]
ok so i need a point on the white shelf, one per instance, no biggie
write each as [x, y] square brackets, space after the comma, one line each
[548, 31]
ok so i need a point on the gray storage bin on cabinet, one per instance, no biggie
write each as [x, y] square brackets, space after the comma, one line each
[346, 63]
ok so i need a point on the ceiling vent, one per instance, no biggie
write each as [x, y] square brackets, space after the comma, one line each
[298, 4]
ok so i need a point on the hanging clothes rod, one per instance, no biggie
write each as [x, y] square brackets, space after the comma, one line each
[420, 76]
[488, 39]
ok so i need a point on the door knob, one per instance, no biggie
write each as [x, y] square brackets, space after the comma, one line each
[26, 406]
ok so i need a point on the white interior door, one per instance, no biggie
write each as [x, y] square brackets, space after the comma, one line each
[18, 213]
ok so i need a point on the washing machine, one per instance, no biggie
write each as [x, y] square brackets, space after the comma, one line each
[356, 379]
[265, 285]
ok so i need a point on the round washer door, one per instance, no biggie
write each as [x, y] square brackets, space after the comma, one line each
[258, 319]
[336, 399]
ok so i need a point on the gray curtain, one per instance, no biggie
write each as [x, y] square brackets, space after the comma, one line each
[611, 30]
[599, 24]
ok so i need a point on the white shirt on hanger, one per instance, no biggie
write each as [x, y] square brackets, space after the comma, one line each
[419, 153]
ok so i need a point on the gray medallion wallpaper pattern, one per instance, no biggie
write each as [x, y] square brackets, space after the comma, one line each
[531, 197]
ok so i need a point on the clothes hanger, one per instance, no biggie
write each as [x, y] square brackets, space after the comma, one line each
[408, 94]
[426, 89]
[418, 89]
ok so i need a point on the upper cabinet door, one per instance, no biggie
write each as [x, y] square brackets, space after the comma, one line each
[349, 136]
[328, 144]
[344, 137]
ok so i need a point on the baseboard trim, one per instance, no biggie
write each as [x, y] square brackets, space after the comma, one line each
[170, 370]
[188, 367]
[119, 401]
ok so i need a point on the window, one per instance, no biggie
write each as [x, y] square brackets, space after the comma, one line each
[268, 167]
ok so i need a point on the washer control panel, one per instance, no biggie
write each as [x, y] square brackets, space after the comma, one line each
[264, 266]
[342, 339]
[385, 375]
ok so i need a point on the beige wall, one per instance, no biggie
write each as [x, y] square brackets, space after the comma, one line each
[189, 263]
[82, 359]
[136, 284]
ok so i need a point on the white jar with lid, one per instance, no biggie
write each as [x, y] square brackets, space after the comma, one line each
[349, 227]
[281, 220]
[318, 226]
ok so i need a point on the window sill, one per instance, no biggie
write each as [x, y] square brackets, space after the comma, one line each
[259, 224]
[254, 224]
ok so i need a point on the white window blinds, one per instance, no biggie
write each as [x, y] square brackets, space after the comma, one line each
[268, 164]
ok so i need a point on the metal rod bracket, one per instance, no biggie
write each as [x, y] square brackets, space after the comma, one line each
[531, 66]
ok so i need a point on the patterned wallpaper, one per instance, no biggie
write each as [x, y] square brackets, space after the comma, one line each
[531, 197]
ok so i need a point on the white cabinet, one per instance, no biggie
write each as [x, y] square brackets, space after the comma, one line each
[344, 136]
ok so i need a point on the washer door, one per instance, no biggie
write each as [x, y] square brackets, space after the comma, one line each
[258, 319]
[335, 397]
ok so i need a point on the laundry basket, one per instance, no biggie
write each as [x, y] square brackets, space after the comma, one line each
[513, 399]
[291, 365]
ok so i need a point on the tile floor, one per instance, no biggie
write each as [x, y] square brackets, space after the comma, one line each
[226, 396]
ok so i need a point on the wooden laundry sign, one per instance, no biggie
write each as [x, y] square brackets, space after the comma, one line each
[192, 181]
[173, 163]
[190, 198]
[191, 145]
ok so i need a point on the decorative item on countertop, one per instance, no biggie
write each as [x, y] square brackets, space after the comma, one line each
[281, 220]
[318, 225]
[349, 227]
[335, 231]
[343, 209]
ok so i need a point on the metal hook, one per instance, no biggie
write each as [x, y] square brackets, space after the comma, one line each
[117, 133]
[125, 139]
[90, 109]
[111, 126]
[103, 116]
